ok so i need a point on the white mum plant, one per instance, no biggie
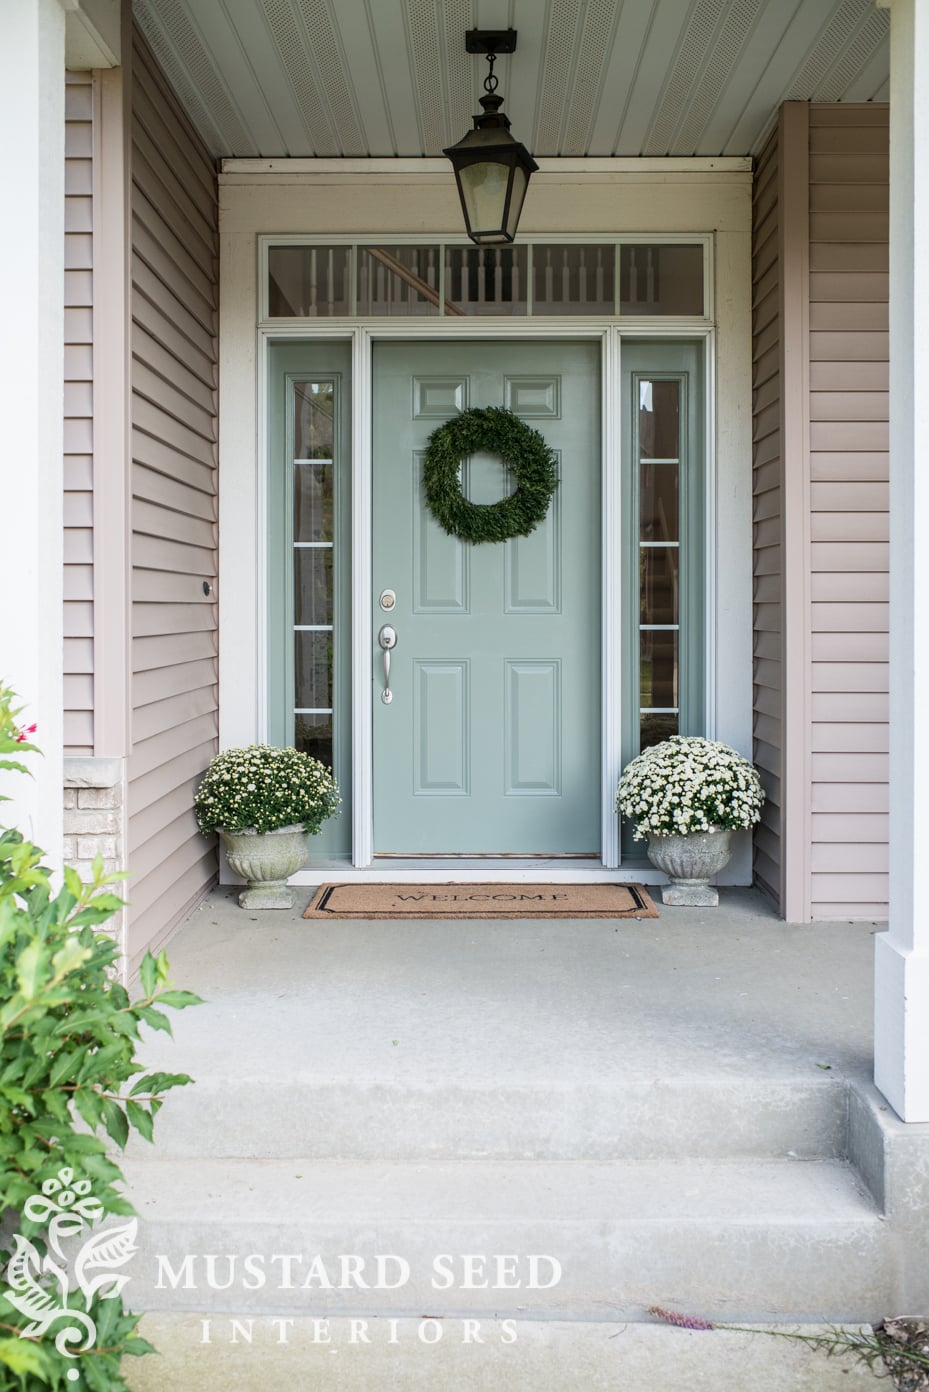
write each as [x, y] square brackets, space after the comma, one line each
[265, 788]
[687, 784]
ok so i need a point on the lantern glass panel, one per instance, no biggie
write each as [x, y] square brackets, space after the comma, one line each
[483, 191]
[517, 194]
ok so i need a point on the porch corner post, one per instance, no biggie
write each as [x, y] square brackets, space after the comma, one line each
[32, 112]
[901, 1045]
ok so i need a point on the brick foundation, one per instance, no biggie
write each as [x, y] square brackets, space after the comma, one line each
[93, 814]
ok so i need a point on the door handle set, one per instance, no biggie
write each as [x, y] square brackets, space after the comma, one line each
[387, 639]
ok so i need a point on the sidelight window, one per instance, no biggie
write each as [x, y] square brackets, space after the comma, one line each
[664, 563]
[308, 575]
[313, 569]
[659, 541]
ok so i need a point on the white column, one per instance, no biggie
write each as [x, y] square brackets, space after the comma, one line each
[902, 954]
[32, 41]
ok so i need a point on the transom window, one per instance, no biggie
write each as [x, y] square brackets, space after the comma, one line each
[440, 280]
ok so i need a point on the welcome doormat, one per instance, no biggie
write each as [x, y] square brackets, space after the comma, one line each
[481, 901]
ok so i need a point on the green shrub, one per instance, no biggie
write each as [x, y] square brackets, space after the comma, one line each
[69, 1037]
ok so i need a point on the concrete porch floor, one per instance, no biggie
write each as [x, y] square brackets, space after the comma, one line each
[632, 1094]
[726, 994]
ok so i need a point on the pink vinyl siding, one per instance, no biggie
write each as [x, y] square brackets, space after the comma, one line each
[766, 513]
[831, 473]
[174, 462]
[78, 418]
[848, 371]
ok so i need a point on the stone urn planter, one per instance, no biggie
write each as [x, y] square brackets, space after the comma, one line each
[690, 862]
[265, 801]
[266, 860]
[686, 795]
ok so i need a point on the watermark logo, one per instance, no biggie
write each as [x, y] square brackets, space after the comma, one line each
[44, 1287]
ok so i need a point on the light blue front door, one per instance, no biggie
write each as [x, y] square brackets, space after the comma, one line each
[491, 742]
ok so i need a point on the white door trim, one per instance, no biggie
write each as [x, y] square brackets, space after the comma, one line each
[362, 626]
[610, 598]
[363, 337]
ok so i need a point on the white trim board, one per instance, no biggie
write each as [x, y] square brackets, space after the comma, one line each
[407, 168]
[364, 335]
[249, 209]
[381, 871]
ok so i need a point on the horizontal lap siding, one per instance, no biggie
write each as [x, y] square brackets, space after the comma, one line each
[766, 487]
[849, 502]
[174, 461]
[78, 418]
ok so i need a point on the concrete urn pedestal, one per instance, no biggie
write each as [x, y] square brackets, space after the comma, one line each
[266, 860]
[690, 862]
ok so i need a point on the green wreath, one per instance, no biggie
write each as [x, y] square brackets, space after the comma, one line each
[498, 431]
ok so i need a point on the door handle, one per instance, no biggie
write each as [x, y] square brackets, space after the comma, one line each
[387, 638]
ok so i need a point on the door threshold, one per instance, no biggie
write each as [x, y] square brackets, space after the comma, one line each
[478, 871]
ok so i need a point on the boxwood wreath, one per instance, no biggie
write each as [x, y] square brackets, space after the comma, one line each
[522, 449]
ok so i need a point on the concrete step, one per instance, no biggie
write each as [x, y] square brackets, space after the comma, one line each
[446, 1118]
[754, 1240]
[259, 1355]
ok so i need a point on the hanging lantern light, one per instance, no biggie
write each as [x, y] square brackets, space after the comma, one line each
[492, 169]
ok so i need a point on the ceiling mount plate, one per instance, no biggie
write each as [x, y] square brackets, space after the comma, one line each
[490, 41]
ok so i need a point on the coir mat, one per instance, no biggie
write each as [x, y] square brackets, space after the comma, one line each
[481, 901]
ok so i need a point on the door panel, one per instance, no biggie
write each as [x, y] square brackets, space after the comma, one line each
[491, 743]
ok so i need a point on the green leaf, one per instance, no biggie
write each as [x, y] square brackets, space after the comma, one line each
[22, 1356]
[15, 1097]
[140, 1119]
[159, 1082]
[148, 974]
[114, 1119]
[31, 969]
[90, 1106]
[136, 1346]
[85, 1145]
[64, 902]
[106, 1313]
[73, 882]
[13, 765]
[97, 1064]
[65, 1066]
[99, 1167]
[179, 1000]
[70, 958]
[78, 1022]
[57, 1106]
[154, 1018]
[125, 1025]
[97, 912]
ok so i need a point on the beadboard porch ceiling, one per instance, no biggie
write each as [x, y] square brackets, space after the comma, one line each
[356, 78]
